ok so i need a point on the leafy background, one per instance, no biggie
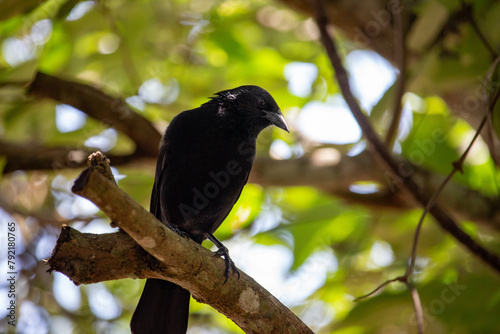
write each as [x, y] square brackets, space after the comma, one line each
[314, 251]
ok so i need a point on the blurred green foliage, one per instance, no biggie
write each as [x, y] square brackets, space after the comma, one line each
[195, 48]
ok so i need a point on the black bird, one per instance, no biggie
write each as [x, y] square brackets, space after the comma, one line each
[205, 158]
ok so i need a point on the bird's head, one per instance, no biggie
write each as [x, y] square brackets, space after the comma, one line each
[252, 107]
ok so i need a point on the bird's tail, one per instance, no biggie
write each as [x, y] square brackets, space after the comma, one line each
[163, 308]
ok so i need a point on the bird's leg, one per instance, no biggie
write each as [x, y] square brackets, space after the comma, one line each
[223, 252]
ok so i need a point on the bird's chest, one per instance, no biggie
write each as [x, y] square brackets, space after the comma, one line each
[214, 154]
[205, 179]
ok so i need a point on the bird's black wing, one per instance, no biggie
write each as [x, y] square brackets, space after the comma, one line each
[154, 203]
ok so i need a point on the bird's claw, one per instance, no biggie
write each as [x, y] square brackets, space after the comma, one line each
[178, 231]
[223, 252]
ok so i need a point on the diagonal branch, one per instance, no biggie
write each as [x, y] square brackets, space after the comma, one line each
[407, 182]
[457, 167]
[178, 260]
[107, 109]
[399, 57]
[468, 12]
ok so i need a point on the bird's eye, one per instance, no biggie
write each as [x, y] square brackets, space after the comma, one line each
[261, 103]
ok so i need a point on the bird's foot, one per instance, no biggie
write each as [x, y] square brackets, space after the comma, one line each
[223, 252]
[178, 231]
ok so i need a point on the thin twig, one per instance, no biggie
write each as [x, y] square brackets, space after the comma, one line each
[399, 57]
[416, 236]
[494, 101]
[378, 288]
[457, 166]
[475, 26]
[417, 306]
[380, 150]
[408, 184]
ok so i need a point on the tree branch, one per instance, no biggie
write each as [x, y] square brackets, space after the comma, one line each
[457, 166]
[181, 261]
[352, 16]
[107, 109]
[88, 258]
[366, 24]
[390, 163]
[400, 58]
[467, 9]
[33, 156]
[331, 178]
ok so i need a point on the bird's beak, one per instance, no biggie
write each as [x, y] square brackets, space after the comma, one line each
[276, 118]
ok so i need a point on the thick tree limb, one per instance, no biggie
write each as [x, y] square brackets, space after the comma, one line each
[33, 156]
[331, 178]
[182, 261]
[107, 109]
[337, 178]
[88, 258]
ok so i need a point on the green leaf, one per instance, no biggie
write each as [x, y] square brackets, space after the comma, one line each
[384, 105]
[321, 226]
[427, 144]
[428, 25]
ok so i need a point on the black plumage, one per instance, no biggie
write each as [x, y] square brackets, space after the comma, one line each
[205, 158]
